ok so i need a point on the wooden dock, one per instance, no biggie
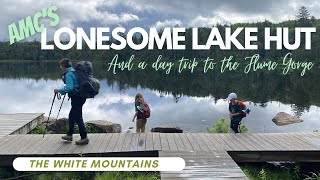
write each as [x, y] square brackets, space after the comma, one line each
[20, 123]
[206, 154]
[202, 165]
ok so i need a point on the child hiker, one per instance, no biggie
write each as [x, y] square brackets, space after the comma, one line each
[142, 113]
[77, 102]
[235, 112]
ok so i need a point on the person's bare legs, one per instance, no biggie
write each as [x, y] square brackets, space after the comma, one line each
[141, 125]
[138, 124]
[143, 128]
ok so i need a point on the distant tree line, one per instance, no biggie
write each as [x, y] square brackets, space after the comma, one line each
[32, 50]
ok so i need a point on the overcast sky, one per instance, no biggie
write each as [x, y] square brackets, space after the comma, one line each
[151, 13]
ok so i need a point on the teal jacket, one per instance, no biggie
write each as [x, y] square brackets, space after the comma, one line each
[71, 81]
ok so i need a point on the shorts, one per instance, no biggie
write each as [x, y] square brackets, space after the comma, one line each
[141, 124]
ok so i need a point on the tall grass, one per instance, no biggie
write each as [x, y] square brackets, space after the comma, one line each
[255, 173]
[40, 129]
[116, 175]
[126, 175]
[313, 176]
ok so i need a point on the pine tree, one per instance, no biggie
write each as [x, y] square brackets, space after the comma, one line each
[303, 14]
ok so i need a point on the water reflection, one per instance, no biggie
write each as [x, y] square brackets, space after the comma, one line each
[191, 113]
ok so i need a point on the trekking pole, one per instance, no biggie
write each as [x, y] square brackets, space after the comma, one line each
[54, 97]
[60, 106]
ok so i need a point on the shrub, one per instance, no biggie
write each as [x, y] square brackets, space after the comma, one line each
[41, 129]
[127, 175]
[222, 126]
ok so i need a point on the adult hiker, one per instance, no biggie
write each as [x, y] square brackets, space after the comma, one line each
[235, 112]
[71, 87]
[142, 113]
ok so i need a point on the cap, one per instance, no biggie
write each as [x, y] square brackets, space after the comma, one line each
[232, 96]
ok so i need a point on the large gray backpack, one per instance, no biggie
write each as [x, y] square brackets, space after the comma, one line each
[89, 86]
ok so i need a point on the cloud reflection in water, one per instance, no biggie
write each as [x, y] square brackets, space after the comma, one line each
[193, 114]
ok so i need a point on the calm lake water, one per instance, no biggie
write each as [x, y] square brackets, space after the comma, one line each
[190, 101]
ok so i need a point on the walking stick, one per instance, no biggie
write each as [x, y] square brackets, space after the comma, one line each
[61, 106]
[54, 97]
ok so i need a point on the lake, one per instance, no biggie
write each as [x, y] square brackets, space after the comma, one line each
[190, 101]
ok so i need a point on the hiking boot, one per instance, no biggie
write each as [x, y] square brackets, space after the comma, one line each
[67, 137]
[82, 141]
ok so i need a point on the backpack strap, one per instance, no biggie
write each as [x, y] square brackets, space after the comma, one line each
[63, 75]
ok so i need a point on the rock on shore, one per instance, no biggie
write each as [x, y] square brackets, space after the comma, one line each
[167, 130]
[105, 126]
[283, 118]
[60, 126]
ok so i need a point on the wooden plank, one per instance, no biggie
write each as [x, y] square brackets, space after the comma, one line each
[156, 141]
[231, 143]
[7, 140]
[14, 144]
[126, 143]
[44, 144]
[35, 148]
[164, 142]
[54, 146]
[249, 143]
[267, 142]
[24, 145]
[83, 149]
[142, 142]
[31, 143]
[317, 134]
[134, 142]
[99, 141]
[296, 141]
[66, 148]
[172, 142]
[242, 143]
[204, 165]
[113, 142]
[179, 143]
[312, 138]
[285, 140]
[256, 141]
[72, 146]
[304, 142]
[193, 142]
[93, 142]
[212, 146]
[311, 134]
[186, 142]
[214, 138]
[149, 142]
[11, 123]
[120, 142]
[202, 144]
[293, 140]
[105, 143]
[37, 141]
[276, 141]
